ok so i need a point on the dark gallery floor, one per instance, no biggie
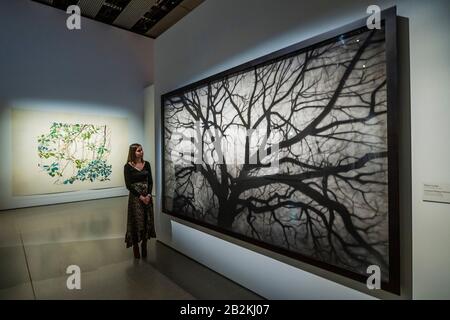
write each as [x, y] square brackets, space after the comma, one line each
[38, 244]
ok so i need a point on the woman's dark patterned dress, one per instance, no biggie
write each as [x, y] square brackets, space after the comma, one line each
[140, 223]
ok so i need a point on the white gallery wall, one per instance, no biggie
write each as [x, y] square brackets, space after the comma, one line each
[220, 34]
[149, 128]
[99, 70]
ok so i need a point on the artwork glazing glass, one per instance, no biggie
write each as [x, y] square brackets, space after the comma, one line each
[290, 153]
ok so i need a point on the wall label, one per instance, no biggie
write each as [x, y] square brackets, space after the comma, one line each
[435, 192]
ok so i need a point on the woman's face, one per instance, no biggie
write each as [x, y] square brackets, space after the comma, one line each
[139, 153]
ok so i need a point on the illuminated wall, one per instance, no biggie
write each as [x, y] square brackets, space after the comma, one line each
[95, 74]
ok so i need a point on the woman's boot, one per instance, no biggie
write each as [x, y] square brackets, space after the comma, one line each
[136, 251]
[144, 248]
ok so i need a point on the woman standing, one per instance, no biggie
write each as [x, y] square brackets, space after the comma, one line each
[138, 180]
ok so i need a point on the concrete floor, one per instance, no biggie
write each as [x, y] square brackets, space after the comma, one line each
[38, 244]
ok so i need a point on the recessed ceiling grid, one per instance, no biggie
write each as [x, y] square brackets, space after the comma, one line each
[133, 12]
[90, 8]
[138, 16]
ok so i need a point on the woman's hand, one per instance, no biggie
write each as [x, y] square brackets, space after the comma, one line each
[149, 198]
[146, 200]
[143, 199]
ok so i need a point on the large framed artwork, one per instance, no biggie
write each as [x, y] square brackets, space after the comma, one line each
[295, 152]
[57, 152]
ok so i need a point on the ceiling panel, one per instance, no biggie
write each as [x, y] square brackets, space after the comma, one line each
[146, 17]
[90, 8]
[133, 12]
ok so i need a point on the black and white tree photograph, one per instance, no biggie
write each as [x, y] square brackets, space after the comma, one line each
[291, 153]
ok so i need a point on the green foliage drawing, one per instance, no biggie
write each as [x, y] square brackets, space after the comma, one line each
[75, 152]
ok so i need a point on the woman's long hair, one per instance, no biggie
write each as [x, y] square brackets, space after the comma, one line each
[132, 152]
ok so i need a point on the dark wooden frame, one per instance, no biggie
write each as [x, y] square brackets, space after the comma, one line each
[389, 18]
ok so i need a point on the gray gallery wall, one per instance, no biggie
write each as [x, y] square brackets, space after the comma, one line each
[149, 128]
[222, 34]
[98, 70]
